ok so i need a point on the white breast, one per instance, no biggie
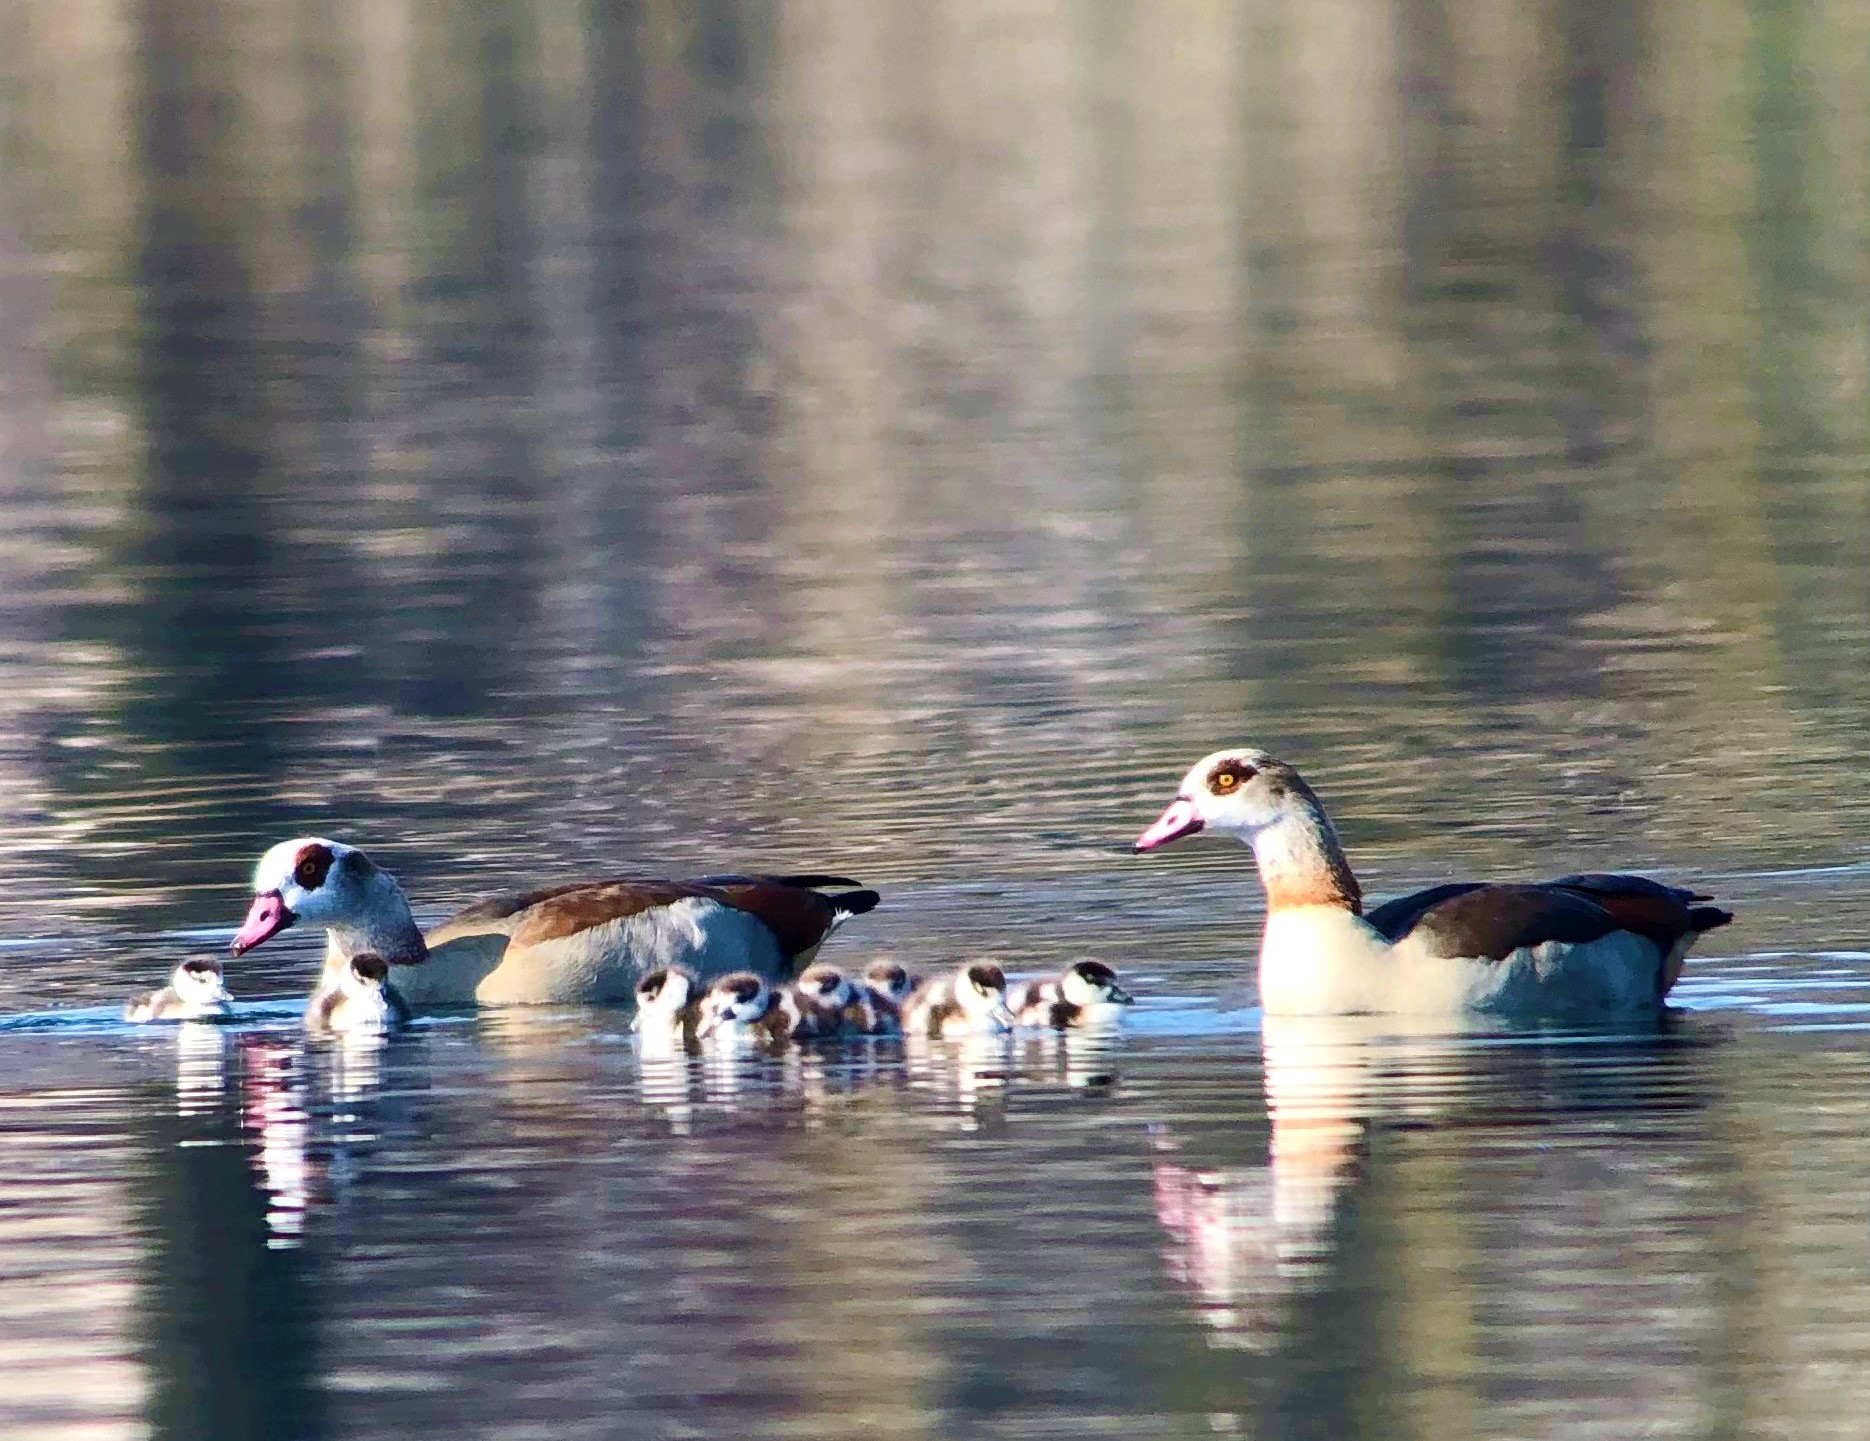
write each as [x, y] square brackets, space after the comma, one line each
[1322, 960]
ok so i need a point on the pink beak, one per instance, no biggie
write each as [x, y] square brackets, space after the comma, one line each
[266, 917]
[1180, 819]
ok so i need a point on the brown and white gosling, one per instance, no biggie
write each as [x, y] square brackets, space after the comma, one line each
[364, 1003]
[1084, 994]
[890, 980]
[860, 1010]
[195, 992]
[742, 1008]
[971, 1003]
[668, 1005]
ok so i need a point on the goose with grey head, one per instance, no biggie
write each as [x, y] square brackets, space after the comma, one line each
[580, 943]
[1583, 943]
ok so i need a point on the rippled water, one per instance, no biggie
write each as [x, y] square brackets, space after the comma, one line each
[538, 442]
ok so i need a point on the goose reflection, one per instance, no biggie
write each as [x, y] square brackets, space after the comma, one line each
[1251, 1238]
[309, 1109]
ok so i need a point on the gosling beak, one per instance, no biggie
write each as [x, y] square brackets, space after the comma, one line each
[1180, 819]
[1002, 1016]
[1121, 997]
[266, 918]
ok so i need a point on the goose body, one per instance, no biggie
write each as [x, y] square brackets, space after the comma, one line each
[1582, 943]
[568, 944]
[195, 991]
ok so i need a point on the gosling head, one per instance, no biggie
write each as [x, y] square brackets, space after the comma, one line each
[1240, 792]
[826, 986]
[889, 980]
[367, 974]
[980, 990]
[199, 985]
[662, 995]
[733, 1001]
[1092, 983]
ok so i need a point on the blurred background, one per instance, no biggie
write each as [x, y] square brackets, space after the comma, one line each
[542, 440]
[532, 436]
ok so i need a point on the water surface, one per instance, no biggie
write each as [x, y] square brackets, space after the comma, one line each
[536, 443]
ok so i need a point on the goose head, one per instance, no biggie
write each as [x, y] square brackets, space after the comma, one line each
[734, 1000]
[980, 990]
[330, 884]
[1240, 792]
[1092, 983]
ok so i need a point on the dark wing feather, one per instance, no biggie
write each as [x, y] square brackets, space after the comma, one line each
[1395, 918]
[1662, 913]
[1494, 921]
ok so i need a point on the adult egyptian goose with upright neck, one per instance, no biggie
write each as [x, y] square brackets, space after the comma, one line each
[1580, 943]
[575, 943]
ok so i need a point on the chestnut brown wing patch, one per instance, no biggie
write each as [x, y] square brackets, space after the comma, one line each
[571, 909]
[1492, 922]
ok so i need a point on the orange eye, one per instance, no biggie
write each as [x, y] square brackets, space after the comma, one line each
[1226, 781]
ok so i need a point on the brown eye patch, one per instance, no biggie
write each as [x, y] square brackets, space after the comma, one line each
[988, 978]
[313, 865]
[370, 968]
[1229, 776]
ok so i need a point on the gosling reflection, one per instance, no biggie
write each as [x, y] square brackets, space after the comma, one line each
[309, 1107]
[200, 1067]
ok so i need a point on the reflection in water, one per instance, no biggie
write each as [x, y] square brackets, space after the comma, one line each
[550, 441]
[1547, 1191]
[228, 1325]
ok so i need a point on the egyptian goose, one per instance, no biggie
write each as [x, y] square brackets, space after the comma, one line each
[195, 992]
[575, 943]
[970, 1003]
[1084, 994]
[1584, 942]
[364, 1002]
